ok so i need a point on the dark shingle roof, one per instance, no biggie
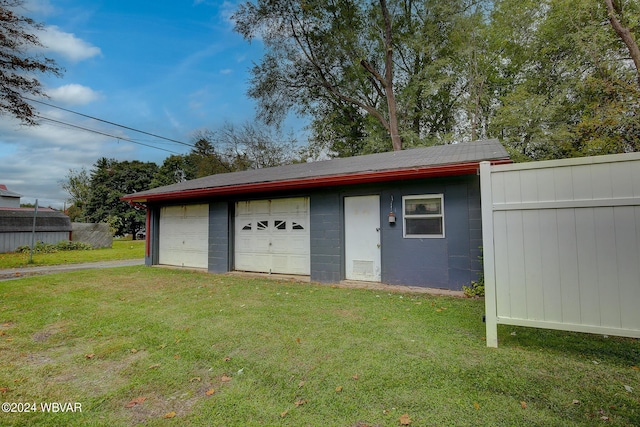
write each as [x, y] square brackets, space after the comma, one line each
[20, 220]
[437, 156]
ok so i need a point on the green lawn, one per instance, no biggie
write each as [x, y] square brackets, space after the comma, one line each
[122, 249]
[135, 345]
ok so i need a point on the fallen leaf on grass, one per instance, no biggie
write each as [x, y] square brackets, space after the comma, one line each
[136, 401]
[194, 379]
[405, 420]
[298, 340]
[89, 356]
[576, 402]
[476, 405]
[604, 418]
[301, 384]
[3, 390]
[628, 388]
[154, 366]
[225, 379]
[134, 351]
[210, 392]
[169, 414]
[301, 402]
[338, 389]
[176, 356]
[523, 404]
[283, 414]
[635, 368]
[354, 377]
[227, 359]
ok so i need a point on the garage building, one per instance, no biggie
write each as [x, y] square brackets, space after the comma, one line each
[408, 218]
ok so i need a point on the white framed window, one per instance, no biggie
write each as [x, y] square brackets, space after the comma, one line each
[423, 216]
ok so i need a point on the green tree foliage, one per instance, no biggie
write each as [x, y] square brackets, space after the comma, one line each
[551, 78]
[112, 179]
[174, 169]
[18, 64]
[323, 56]
[363, 71]
[567, 85]
[78, 184]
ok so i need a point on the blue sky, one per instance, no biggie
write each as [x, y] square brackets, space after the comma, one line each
[168, 67]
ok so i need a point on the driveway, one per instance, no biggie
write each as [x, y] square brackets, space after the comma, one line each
[17, 273]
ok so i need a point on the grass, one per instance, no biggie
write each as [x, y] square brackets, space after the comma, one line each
[212, 350]
[122, 249]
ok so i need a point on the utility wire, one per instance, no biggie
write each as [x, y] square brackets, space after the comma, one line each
[111, 123]
[103, 133]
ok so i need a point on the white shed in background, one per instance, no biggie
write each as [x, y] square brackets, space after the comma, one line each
[561, 242]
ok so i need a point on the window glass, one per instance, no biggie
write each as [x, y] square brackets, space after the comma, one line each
[423, 207]
[423, 216]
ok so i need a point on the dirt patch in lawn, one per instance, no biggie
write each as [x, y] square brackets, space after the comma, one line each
[48, 331]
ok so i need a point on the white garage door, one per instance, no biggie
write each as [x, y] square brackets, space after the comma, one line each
[272, 236]
[184, 236]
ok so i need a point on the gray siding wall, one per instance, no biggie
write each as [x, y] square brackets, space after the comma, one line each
[326, 237]
[9, 242]
[220, 238]
[154, 235]
[448, 262]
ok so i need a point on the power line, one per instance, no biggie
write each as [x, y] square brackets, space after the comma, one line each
[103, 133]
[111, 123]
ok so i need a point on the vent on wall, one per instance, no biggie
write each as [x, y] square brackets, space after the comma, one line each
[363, 268]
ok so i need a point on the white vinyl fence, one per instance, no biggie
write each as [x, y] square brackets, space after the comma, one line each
[561, 242]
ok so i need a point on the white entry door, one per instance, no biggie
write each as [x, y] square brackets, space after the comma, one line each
[362, 238]
[184, 236]
[272, 236]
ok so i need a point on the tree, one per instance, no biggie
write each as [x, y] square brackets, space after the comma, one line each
[174, 169]
[373, 76]
[78, 184]
[110, 180]
[204, 157]
[619, 22]
[322, 52]
[566, 82]
[248, 146]
[17, 63]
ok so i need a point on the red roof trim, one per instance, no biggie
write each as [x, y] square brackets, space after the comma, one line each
[315, 182]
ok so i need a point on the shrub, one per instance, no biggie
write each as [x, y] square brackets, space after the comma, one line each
[66, 245]
[49, 248]
[477, 288]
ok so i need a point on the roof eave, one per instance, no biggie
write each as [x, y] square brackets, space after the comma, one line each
[368, 177]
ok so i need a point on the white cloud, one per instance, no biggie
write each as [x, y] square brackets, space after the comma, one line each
[226, 71]
[67, 44]
[36, 158]
[73, 94]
